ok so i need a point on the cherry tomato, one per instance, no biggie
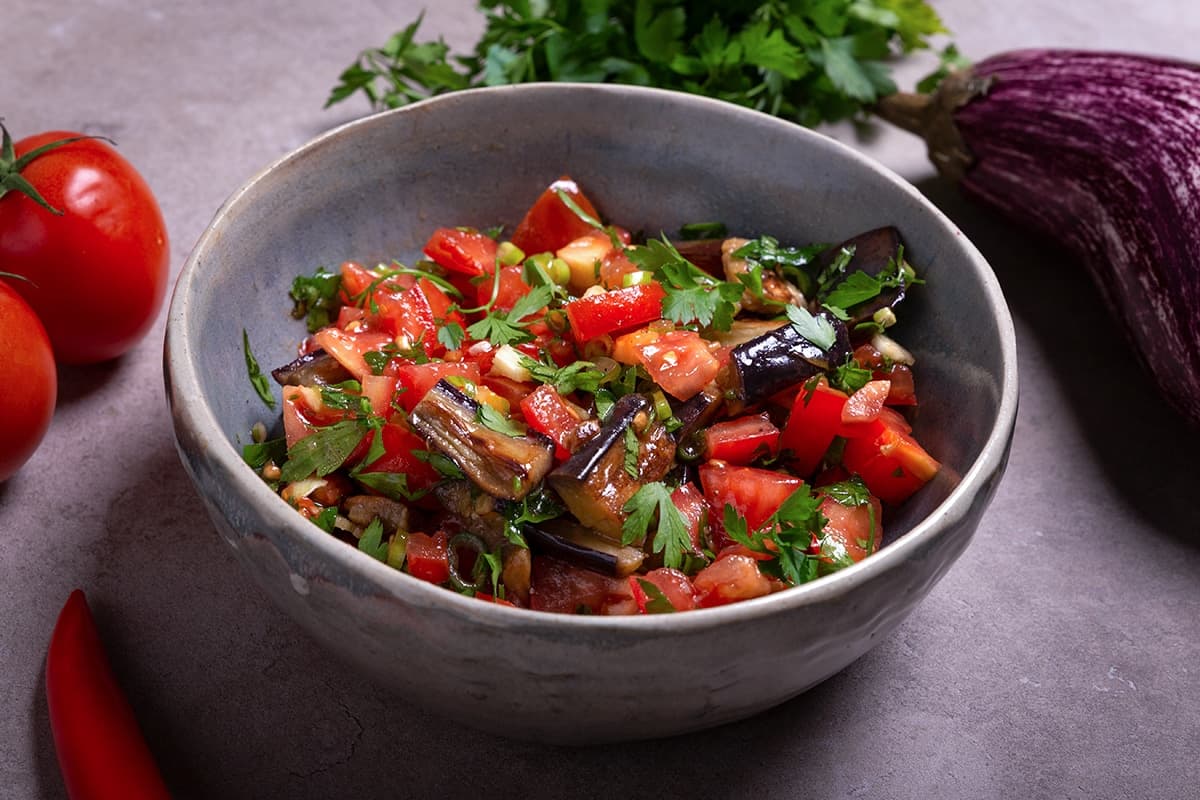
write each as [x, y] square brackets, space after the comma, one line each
[29, 380]
[98, 271]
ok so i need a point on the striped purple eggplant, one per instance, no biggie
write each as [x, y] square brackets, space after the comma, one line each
[1102, 152]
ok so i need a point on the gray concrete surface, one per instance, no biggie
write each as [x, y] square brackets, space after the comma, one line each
[1058, 659]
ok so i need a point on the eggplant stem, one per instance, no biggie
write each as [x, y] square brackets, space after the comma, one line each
[931, 116]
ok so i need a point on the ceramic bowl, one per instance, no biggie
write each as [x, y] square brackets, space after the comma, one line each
[374, 189]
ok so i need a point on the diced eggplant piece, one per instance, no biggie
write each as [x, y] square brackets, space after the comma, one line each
[704, 253]
[474, 509]
[315, 368]
[874, 252]
[362, 508]
[783, 358]
[516, 572]
[594, 484]
[508, 467]
[573, 542]
[744, 329]
[697, 412]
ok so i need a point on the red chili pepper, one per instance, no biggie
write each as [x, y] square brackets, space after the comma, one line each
[101, 751]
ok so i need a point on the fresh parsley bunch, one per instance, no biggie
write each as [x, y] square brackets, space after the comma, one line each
[805, 60]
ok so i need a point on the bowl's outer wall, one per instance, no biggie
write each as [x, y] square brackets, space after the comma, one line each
[652, 161]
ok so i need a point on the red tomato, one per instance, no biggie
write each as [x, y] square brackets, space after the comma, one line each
[562, 587]
[415, 380]
[512, 288]
[546, 412]
[674, 585]
[891, 463]
[615, 311]
[97, 272]
[755, 494]
[903, 391]
[549, 224]
[730, 578]
[29, 379]
[866, 403]
[304, 412]
[427, 557]
[854, 531]
[613, 269]
[680, 362]
[398, 445]
[349, 347]
[815, 419]
[742, 440]
[694, 508]
[465, 252]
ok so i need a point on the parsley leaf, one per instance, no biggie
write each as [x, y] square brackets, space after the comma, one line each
[656, 601]
[811, 62]
[262, 387]
[692, 295]
[322, 452]
[502, 328]
[258, 454]
[578, 375]
[850, 377]
[671, 536]
[789, 531]
[442, 463]
[632, 451]
[315, 298]
[371, 542]
[537, 506]
[393, 485]
[450, 335]
[326, 518]
[817, 330]
[492, 419]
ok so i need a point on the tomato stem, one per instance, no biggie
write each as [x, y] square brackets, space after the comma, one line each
[11, 166]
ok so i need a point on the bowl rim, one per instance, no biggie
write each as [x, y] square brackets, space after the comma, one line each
[184, 389]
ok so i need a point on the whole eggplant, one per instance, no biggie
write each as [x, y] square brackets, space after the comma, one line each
[1100, 151]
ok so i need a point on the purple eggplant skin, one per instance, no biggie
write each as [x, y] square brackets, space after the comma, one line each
[782, 358]
[315, 368]
[874, 252]
[1098, 151]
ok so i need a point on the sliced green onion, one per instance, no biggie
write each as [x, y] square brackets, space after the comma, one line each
[397, 549]
[468, 541]
[662, 407]
[509, 254]
[559, 271]
[637, 278]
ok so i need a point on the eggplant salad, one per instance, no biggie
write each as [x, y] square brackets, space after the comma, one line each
[568, 421]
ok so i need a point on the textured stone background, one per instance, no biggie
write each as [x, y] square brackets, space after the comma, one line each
[1060, 657]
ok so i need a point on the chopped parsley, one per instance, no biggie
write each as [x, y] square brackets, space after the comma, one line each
[671, 537]
[692, 295]
[578, 375]
[315, 298]
[790, 531]
[815, 329]
[262, 387]
[371, 542]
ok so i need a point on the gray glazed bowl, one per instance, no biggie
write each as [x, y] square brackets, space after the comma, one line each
[374, 189]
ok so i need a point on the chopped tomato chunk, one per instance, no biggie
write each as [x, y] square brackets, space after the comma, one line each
[815, 419]
[615, 311]
[742, 440]
[550, 224]
[891, 463]
[428, 557]
[755, 494]
[730, 578]
[468, 253]
[865, 404]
